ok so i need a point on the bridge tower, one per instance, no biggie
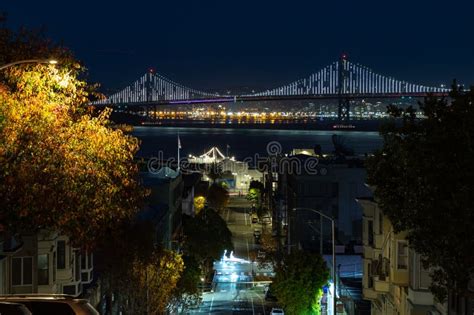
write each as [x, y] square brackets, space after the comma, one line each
[344, 101]
[148, 95]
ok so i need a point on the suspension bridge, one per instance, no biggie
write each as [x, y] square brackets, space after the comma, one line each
[342, 80]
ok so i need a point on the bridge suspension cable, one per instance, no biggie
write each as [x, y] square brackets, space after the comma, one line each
[342, 80]
[152, 87]
[358, 79]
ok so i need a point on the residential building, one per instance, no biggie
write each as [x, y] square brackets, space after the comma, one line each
[331, 187]
[164, 204]
[43, 262]
[394, 279]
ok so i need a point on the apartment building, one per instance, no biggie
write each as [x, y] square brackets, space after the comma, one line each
[394, 279]
[43, 262]
[163, 208]
[331, 188]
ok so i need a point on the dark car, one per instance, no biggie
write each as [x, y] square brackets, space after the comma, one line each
[269, 296]
[47, 304]
[9, 308]
[254, 218]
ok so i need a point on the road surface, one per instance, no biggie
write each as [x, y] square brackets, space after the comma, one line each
[234, 290]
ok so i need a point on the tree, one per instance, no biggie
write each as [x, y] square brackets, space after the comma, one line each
[187, 291]
[298, 282]
[199, 203]
[255, 195]
[151, 283]
[217, 197]
[257, 185]
[206, 237]
[423, 182]
[214, 172]
[61, 168]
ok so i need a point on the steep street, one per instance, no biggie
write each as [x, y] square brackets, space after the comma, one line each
[234, 290]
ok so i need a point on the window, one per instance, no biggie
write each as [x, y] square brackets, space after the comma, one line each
[40, 307]
[61, 258]
[370, 232]
[43, 269]
[77, 265]
[89, 260]
[54, 267]
[425, 279]
[402, 255]
[84, 261]
[370, 279]
[69, 289]
[22, 271]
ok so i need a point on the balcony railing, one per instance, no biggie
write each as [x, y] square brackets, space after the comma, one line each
[381, 268]
[381, 285]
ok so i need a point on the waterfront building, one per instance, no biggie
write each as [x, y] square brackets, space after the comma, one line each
[236, 175]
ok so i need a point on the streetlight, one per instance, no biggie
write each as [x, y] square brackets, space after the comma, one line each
[47, 61]
[333, 251]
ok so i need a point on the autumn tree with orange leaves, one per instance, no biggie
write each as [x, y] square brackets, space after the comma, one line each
[61, 167]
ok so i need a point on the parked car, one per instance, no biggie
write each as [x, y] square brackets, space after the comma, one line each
[269, 295]
[266, 220]
[10, 308]
[257, 232]
[47, 304]
[277, 311]
[254, 218]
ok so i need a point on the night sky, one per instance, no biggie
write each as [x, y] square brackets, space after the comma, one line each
[228, 43]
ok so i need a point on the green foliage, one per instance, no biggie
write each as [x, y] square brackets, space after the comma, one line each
[206, 235]
[257, 185]
[187, 291]
[298, 283]
[424, 177]
[253, 195]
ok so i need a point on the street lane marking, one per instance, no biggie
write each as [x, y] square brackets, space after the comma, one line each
[263, 303]
[248, 253]
[212, 301]
[253, 308]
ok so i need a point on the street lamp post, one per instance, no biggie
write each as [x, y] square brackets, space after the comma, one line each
[48, 61]
[333, 250]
